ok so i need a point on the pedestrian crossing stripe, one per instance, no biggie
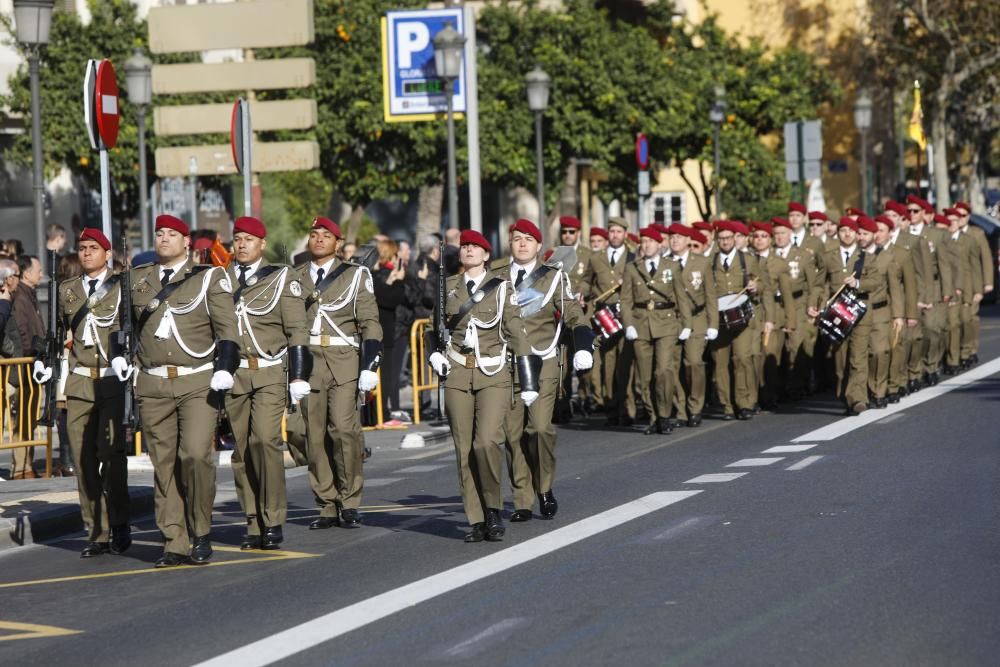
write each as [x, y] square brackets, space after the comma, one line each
[31, 631]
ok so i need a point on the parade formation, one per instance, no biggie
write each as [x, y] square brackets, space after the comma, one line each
[739, 316]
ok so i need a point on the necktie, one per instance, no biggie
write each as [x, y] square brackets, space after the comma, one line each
[652, 267]
[319, 276]
[725, 263]
[612, 262]
[243, 275]
[471, 286]
[93, 286]
[847, 256]
[165, 278]
[519, 279]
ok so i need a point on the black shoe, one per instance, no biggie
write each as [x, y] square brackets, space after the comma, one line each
[894, 397]
[350, 518]
[673, 423]
[665, 426]
[121, 538]
[745, 414]
[272, 538]
[694, 420]
[857, 409]
[201, 550]
[170, 559]
[728, 417]
[494, 526]
[518, 516]
[324, 522]
[477, 533]
[756, 409]
[935, 379]
[627, 421]
[652, 429]
[95, 549]
[973, 359]
[250, 542]
[949, 370]
[547, 505]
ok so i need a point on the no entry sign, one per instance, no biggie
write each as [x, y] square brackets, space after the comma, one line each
[641, 152]
[106, 103]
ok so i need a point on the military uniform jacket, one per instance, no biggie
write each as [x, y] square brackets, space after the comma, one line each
[779, 284]
[270, 316]
[182, 330]
[642, 292]
[836, 271]
[970, 277]
[484, 339]
[817, 250]
[924, 265]
[806, 284]
[903, 272]
[340, 317]
[90, 349]
[600, 276]
[985, 262]
[578, 271]
[699, 288]
[877, 283]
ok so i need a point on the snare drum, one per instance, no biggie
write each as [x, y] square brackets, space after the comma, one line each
[735, 311]
[840, 317]
[606, 322]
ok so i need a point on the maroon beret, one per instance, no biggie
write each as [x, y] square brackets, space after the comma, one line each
[895, 206]
[941, 220]
[599, 231]
[633, 237]
[327, 224]
[95, 235]
[762, 227]
[955, 211]
[526, 226]
[651, 232]
[855, 211]
[964, 207]
[695, 235]
[166, 221]
[703, 226]
[796, 206]
[251, 226]
[778, 221]
[818, 215]
[739, 227]
[569, 222]
[867, 224]
[850, 223]
[203, 243]
[472, 237]
[922, 203]
[885, 220]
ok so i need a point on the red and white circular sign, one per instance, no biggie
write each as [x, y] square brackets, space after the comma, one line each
[106, 103]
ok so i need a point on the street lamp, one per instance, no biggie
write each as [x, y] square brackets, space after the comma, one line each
[538, 84]
[448, 47]
[863, 121]
[716, 115]
[138, 78]
[32, 20]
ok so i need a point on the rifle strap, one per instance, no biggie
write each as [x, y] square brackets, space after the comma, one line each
[163, 295]
[262, 273]
[478, 296]
[326, 282]
[95, 298]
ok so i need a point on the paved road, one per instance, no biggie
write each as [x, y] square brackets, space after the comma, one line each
[813, 539]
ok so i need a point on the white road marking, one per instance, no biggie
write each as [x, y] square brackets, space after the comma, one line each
[848, 424]
[492, 635]
[423, 468]
[381, 481]
[787, 449]
[891, 418]
[712, 478]
[807, 461]
[762, 461]
[335, 624]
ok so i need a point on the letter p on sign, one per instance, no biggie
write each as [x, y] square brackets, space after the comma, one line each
[411, 37]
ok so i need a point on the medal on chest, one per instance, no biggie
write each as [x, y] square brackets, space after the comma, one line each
[696, 279]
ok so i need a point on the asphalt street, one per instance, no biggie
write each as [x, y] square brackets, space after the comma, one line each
[873, 542]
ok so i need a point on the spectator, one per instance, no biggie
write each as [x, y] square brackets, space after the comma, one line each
[30, 325]
[9, 278]
[13, 248]
[348, 250]
[55, 238]
[390, 291]
[451, 263]
[422, 295]
[69, 268]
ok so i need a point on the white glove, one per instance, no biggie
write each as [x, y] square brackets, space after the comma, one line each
[529, 397]
[631, 333]
[684, 334]
[121, 368]
[367, 381]
[221, 381]
[298, 389]
[583, 361]
[42, 373]
[711, 334]
[440, 364]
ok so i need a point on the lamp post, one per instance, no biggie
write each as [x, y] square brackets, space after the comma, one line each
[448, 46]
[138, 78]
[538, 84]
[716, 115]
[32, 19]
[863, 121]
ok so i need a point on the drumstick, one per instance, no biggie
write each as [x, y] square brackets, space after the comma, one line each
[895, 338]
[767, 335]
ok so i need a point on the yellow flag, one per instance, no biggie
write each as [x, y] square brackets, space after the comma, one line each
[917, 119]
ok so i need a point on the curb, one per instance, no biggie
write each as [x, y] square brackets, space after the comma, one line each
[423, 438]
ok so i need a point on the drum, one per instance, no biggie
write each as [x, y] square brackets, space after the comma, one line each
[606, 322]
[735, 311]
[840, 316]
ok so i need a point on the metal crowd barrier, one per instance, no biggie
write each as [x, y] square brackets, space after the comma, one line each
[20, 394]
[422, 376]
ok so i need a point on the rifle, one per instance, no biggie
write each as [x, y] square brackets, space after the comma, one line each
[51, 352]
[126, 337]
[440, 322]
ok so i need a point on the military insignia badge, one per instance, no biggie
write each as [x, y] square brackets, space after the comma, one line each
[930, 244]
[92, 300]
[696, 279]
[153, 305]
[793, 269]
[142, 287]
[668, 275]
[226, 285]
[252, 281]
[295, 288]
[70, 296]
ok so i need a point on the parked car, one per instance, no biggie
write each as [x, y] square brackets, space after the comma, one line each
[992, 229]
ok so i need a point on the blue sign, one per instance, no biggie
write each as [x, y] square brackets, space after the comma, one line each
[411, 84]
[641, 152]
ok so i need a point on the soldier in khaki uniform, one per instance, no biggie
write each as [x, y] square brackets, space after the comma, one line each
[937, 286]
[807, 298]
[812, 263]
[590, 387]
[484, 328]
[779, 312]
[952, 268]
[531, 437]
[899, 352]
[346, 344]
[184, 312]
[569, 235]
[970, 332]
[841, 264]
[969, 288]
[879, 376]
[95, 396]
[653, 308]
[271, 322]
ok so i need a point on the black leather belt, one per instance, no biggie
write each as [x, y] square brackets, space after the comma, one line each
[697, 309]
[655, 305]
[797, 294]
[862, 295]
[880, 304]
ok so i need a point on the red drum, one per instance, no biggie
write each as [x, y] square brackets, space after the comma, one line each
[840, 317]
[735, 311]
[606, 322]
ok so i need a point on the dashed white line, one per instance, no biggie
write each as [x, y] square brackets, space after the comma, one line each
[807, 461]
[717, 477]
[787, 449]
[761, 461]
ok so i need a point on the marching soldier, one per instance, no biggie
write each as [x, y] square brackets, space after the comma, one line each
[271, 323]
[909, 220]
[970, 333]
[345, 340]
[184, 313]
[531, 437]
[484, 324]
[707, 230]
[899, 273]
[840, 265]
[899, 354]
[569, 235]
[807, 298]
[969, 288]
[781, 317]
[937, 285]
[653, 308]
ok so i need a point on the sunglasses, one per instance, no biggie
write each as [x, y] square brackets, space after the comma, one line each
[817, 224]
[914, 210]
[568, 231]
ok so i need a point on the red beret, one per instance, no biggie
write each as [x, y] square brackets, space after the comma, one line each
[95, 235]
[885, 220]
[893, 205]
[762, 227]
[569, 222]
[922, 203]
[964, 207]
[703, 226]
[850, 223]
[548, 254]
[678, 228]
[695, 235]
[526, 226]
[251, 226]
[941, 220]
[472, 237]
[867, 224]
[651, 233]
[724, 226]
[203, 243]
[853, 210]
[954, 211]
[170, 222]
[599, 231]
[740, 228]
[818, 215]
[778, 221]
[663, 229]
[634, 238]
[327, 224]
[796, 206]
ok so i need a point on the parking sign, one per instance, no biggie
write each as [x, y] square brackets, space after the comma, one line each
[411, 88]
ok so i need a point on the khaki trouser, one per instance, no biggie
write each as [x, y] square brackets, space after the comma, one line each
[855, 350]
[694, 370]
[258, 462]
[960, 319]
[737, 348]
[616, 365]
[655, 367]
[476, 418]
[680, 393]
[800, 344]
[970, 332]
[898, 358]
[335, 443]
[531, 444]
[771, 371]
[179, 431]
[935, 323]
[878, 351]
[915, 361]
[97, 440]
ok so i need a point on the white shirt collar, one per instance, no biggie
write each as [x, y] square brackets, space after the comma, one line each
[615, 252]
[728, 256]
[655, 259]
[893, 235]
[175, 268]
[849, 250]
[515, 267]
[477, 281]
[764, 253]
[956, 234]
[915, 229]
[314, 268]
[798, 237]
[682, 258]
[252, 268]
[100, 280]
